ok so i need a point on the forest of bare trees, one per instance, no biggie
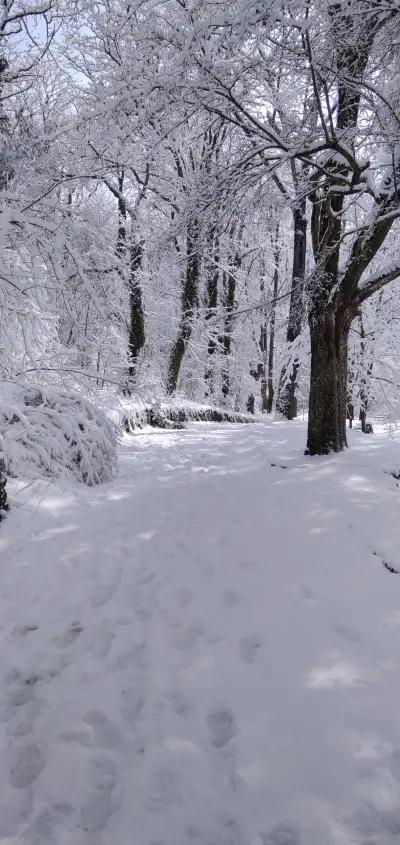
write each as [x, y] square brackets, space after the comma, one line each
[201, 200]
[199, 314]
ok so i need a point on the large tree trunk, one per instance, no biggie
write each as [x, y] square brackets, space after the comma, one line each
[229, 286]
[287, 401]
[270, 396]
[265, 385]
[189, 302]
[136, 314]
[212, 301]
[329, 333]
[271, 351]
[130, 255]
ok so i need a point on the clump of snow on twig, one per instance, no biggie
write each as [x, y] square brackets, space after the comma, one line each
[47, 433]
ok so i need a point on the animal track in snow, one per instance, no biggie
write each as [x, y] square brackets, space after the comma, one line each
[221, 726]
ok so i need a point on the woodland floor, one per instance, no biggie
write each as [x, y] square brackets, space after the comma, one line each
[207, 649]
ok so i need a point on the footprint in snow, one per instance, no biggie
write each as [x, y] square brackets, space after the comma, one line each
[77, 737]
[146, 576]
[143, 614]
[23, 630]
[184, 597]
[132, 703]
[373, 821]
[21, 693]
[281, 835]
[20, 696]
[99, 804]
[103, 773]
[106, 734]
[104, 592]
[248, 648]
[165, 789]
[96, 811]
[26, 763]
[187, 636]
[221, 726]
[230, 598]
[347, 632]
[102, 640]
[70, 635]
[21, 722]
[133, 659]
[207, 570]
[43, 826]
[179, 703]
[307, 592]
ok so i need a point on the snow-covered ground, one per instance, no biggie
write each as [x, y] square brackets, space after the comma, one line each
[207, 649]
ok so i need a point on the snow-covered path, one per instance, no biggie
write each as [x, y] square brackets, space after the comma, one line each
[206, 650]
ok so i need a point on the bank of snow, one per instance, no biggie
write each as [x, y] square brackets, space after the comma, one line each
[206, 649]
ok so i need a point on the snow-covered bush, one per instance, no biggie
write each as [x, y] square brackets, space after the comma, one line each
[54, 434]
[174, 412]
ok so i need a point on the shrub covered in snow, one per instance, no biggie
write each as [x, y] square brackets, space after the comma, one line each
[173, 413]
[44, 432]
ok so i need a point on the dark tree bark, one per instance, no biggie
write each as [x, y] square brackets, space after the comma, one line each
[136, 313]
[287, 400]
[265, 394]
[335, 296]
[3, 492]
[189, 304]
[212, 300]
[270, 395]
[271, 350]
[130, 257]
[229, 285]
[363, 386]
[5, 174]
[329, 333]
